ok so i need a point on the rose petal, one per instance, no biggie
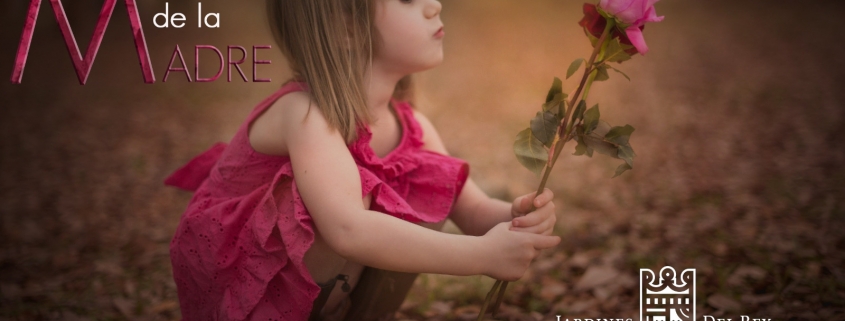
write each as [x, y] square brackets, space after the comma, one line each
[592, 22]
[636, 36]
[623, 38]
[633, 12]
[616, 6]
[649, 16]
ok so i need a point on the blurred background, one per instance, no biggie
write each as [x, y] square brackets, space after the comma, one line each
[738, 110]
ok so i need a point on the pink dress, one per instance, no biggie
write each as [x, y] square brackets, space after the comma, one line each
[238, 251]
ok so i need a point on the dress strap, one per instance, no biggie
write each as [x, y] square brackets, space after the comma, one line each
[190, 176]
[406, 114]
[289, 86]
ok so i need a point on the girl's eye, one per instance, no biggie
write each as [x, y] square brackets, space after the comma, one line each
[406, 1]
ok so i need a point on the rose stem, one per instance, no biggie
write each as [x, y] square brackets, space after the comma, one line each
[487, 300]
[558, 147]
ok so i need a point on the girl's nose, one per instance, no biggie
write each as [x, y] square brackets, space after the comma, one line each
[433, 9]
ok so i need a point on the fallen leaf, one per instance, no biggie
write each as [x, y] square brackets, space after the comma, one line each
[469, 312]
[551, 289]
[581, 259]
[70, 316]
[453, 290]
[164, 306]
[409, 304]
[604, 292]
[746, 271]
[546, 264]
[723, 303]
[596, 275]
[626, 281]
[438, 308]
[576, 307]
[10, 291]
[757, 299]
[124, 306]
[612, 257]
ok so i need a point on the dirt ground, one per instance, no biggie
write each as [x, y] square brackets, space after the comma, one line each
[739, 174]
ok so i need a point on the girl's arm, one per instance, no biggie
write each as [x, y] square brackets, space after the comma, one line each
[474, 212]
[329, 183]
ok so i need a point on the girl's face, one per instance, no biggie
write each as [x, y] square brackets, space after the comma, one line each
[409, 33]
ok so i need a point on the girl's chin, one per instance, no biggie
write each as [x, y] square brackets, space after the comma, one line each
[419, 64]
[428, 66]
[434, 62]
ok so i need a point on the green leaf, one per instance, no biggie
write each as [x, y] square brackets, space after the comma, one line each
[626, 153]
[555, 106]
[557, 88]
[604, 139]
[579, 111]
[595, 140]
[544, 126]
[601, 73]
[602, 128]
[591, 118]
[619, 134]
[621, 169]
[573, 67]
[620, 71]
[530, 151]
[598, 144]
[615, 51]
[581, 148]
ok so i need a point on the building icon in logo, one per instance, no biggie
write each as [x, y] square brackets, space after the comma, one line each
[669, 297]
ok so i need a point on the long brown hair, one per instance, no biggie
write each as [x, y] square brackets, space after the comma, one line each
[330, 45]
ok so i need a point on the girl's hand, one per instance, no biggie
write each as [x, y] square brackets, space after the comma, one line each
[507, 254]
[541, 221]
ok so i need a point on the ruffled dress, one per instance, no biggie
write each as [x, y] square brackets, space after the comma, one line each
[238, 250]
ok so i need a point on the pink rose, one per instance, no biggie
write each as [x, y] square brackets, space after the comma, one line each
[635, 13]
[594, 24]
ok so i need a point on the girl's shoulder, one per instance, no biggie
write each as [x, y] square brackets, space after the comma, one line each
[267, 130]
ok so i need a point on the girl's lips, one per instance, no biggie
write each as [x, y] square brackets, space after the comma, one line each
[440, 33]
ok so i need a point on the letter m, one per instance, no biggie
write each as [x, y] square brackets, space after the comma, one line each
[83, 65]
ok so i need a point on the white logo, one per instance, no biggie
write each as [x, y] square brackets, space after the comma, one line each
[670, 297]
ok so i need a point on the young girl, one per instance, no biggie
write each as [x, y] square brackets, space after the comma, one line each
[336, 171]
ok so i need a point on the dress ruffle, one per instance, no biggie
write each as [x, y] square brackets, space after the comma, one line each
[190, 176]
[261, 273]
[435, 179]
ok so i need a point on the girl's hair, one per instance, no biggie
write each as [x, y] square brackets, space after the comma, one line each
[330, 45]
